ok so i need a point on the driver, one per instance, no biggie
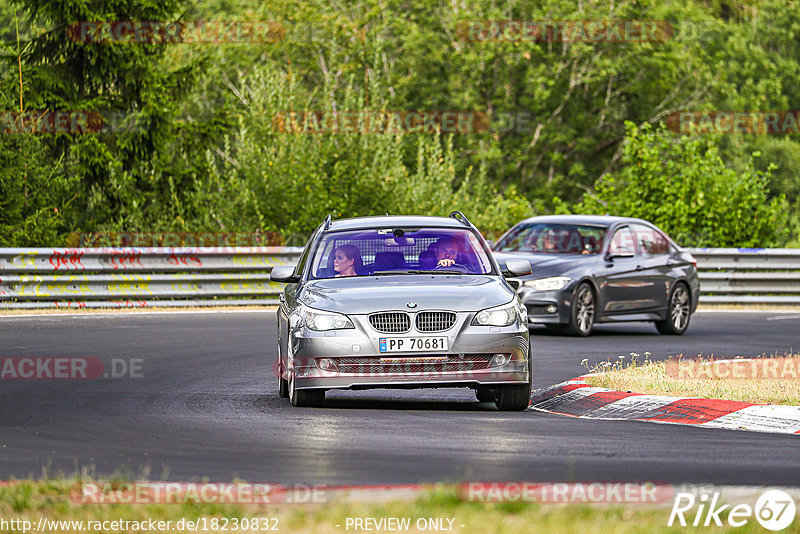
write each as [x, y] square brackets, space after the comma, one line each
[446, 251]
[551, 242]
[347, 260]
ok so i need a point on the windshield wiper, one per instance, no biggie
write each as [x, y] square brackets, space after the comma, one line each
[435, 271]
[419, 271]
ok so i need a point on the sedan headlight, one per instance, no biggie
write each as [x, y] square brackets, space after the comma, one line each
[503, 315]
[322, 320]
[553, 283]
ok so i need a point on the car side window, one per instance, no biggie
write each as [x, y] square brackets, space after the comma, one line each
[623, 242]
[651, 242]
[304, 256]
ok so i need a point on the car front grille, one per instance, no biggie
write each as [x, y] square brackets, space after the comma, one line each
[435, 321]
[391, 322]
[376, 365]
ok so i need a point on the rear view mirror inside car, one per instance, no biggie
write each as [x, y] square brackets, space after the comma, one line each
[400, 242]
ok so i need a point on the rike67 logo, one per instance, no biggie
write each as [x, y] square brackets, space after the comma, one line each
[774, 510]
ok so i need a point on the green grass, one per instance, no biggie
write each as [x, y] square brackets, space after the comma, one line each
[33, 499]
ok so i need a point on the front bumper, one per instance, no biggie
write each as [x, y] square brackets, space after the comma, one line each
[547, 307]
[359, 364]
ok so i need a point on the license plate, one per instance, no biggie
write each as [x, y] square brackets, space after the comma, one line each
[412, 344]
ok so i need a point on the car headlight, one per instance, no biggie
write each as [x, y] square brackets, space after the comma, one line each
[503, 315]
[553, 283]
[322, 320]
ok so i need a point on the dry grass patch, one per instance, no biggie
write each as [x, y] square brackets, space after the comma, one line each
[764, 380]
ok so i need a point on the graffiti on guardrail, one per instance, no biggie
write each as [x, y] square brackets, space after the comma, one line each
[67, 259]
[122, 259]
[187, 259]
[69, 304]
[130, 288]
[26, 259]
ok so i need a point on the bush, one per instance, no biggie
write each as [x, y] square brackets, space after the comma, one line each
[266, 179]
[682, 185]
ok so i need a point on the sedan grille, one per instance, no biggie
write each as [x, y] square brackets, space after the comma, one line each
[435, 321]
[446, 363]
[390, 323]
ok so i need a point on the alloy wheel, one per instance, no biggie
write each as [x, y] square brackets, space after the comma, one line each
[679, 309]
[584, 313]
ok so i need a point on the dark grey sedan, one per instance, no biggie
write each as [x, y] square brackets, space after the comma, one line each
[591, 269]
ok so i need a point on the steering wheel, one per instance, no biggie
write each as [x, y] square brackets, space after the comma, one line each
[456, 266]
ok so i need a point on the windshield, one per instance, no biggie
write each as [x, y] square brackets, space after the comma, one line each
[553, 238]
[399, 251]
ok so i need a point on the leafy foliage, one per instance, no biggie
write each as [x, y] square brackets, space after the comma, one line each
[682, 185]
[204, 153]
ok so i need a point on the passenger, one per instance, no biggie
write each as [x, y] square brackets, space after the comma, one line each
[347, 260]
[550, 242]
[590, 246]
[446, 251]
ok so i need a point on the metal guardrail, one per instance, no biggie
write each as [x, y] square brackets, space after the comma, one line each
[748, 276]
[213, 276]
[140, 277]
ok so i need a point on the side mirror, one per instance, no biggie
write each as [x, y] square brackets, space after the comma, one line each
[283, 273]
[518, 267]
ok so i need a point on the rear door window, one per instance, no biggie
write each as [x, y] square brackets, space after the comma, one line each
[651, 242]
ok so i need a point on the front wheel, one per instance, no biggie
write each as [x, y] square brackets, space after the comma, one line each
[678, 314]
[484, 395]
[581, 317]
[515, 397]
[283, 386]
[310, 398]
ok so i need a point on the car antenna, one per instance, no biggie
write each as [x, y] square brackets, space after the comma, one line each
[327, 222]
[387, 213]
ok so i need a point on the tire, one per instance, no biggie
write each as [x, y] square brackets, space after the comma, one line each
[283, 384]
[484, 395]
[582, 311]
[679, 312]
[305, 398]
[515, 397]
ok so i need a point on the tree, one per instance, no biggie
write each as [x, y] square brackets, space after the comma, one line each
[682, 185]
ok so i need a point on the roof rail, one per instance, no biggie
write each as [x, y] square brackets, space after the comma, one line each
[460, 217]
[327, 222]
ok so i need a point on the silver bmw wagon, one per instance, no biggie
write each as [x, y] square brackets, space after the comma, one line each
[402, 302]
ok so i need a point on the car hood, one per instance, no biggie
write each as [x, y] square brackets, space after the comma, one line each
[368, 294]
[544, 265]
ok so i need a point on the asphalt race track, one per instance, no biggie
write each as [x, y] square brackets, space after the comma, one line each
[206, 406]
